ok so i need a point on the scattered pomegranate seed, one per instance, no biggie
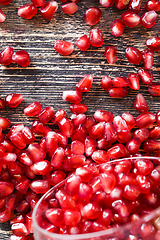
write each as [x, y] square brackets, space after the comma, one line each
[148, 19]
[134, 81]
[153, 43]
[140, 103]
[46, 114]
[6, 56]
[135, 5]
[153, 5]
[27, 11]
[121, 4]
[2, 16]
[38, 3]
[32, 109]
[133, 55]
[13, 100]
[117, 92]
[96, 37]
[145, 75]
[22, 58]
[154, 89]
[83, 43]
[63, 47]
[111, 54]
[72, 96]
[106, 3]
[92, 16]
[147, 58]
[69, 8]
[84, 84]
[130, 18]
[117, 27]
[48, 10]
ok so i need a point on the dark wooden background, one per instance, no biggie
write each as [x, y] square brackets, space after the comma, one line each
[49, 73]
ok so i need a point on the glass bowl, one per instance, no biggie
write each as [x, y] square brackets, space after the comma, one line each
[146, 226]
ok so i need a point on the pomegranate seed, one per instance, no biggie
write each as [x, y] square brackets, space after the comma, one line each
[18, 219]
[48, 10]
[72, 96]
[116, 92]
[92, 16]
[6, 55]
[153, 43]
[129, 119]
[142, 134]
[6, 188]
[56, 177]
[72, 184]
[41, 168]
[66, 127]
[134, 81]
[135, 5]
[84, 84]
[90, 146]
[51, 143]
[154, 89]
[22, 58]
[66, 201]
[62, 140]
[106, 3]
[32, 109]
[120, 125]
[5, 123]
[145, 75]
[5, 2]
[80, 133]
[96, 37]
[140, 103]
[2, 103]
[116, 151]
[100, 156]
[55, 216]
[2, 17]
[85, 174]
[108, 181]
[76, 160]
[111, 54]
[151, 145]
[29, 223]
[27, 11]
[46, 114]
[28, 135]
[58, 157]
[18, 140]
[59, 115]
[38, 3]
[133, 55]
[77, 147]
[78, 108]
[117, 27]
[8, 158]
[19, 229]
[153, 5]
[106, 83]
[145, 119]
[133, 145]
[40, 128]
[36, 153]
[69, 8]
[131, 192]
[155, 133]
[97, 130]
[121, 4]
[103, 116]
[64, 48]
[130, 18]
[5, 215]
[91, 211]
[83, 43]
[148, 19]
[25, 158]
[40, 186]
[147, 230]
[13, 100]
[110, 133]
[120, 82]
[147, 58]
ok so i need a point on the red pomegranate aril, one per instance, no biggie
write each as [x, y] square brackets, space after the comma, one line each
[144, 166]
[6, 188]
[51, 142]
[120, 82]
[133, 145]
[58, 157]
[102, 144]
[129, 119]
[6, 55]
[131, 192]
[111, 54]
[46, 114]
[130, 18]
[144, 183]
[5, 2]
[13, 100]
[100, 156]
[27, 11]
[55, 216]
[63, 47]
[108, 181]
[6, 215]
[40, 186]
[19, 229]
[56, 177]
[121, 4]
[48, 10]
[18, 219]
[147, 58]
[28, 135]
[90, 121]
[97, 130]
[2, 103]
[106, 83]
[133, 55]
[84, 84]
[106, 3]
[91, 211]
[142, 134]
[65, 200]
[66, 127]
[72, 184]
[22, 58]
[80, 133]
[103, 116]
[145, 119]
[155, 133]
[155, 176]
[41, 168]
[145, 75]
[92, 16]
[8, 158]
[40, 128]
[134, 81]
[96, 37]
[148, 19]
[59, 115]
[23, 185]
[78, 108]
[72, 217]
[22, 207]
[5, 123]
[117, 92]
[106, 217]
[2, 17]
[62, 140]
[135, 5]
[140, 103]
[38, 3]
[153, 43]
[120, 125]
[153, 5]
[147, 230]
[36, 152]
[24, 158]
[29, 223]
[85, 173]
[151, 145]
[123, 167]
[90, 146]
[18, 140]
[77, 147]
[72, 96]
[69, 8]
[32, 109]
[83, 43]
[116, 151]
[76, 160]
[117, 27]
[154, 89]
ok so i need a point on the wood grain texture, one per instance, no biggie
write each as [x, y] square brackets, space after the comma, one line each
[49, 73]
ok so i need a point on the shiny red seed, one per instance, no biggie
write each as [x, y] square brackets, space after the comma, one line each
[28, 135]
[90, 146]
[84, 84]
[46, 114]
[120, 82]
[66, 127]
[106, 3]
[140, 103]
[117, 27]
[153, 43]
[116, 151]
[41, 168]
[133, 145]
[155, 133]
[134, 81]
[76, 160]
[97, 130]
[13, 100]
[6, 188]
[133, 55]
[148, 19]
[38, 3]
[135, 5]
[6, 56]
[19, 229]
[142, 134]
[2, 17]
[147, 58]
[145, 75]
[27, 11]
[154, 89]
[59, 115]
[96, 37]
[83, 43]
[131, 192]
[145, 119]
[51, 142]
[151, 145]
[48, 10]
[63, 47]
[111, 54]
[5, 2]
[121, 4]
[40, 186]
[78, 108]
[129, 119]
[40, 128]
[72, 96]
[103, 116]
[22, 58]
[130, 18]
[92, 16]
[36, 153]
[108, 181]
[58, 157]
[55, 216]
[106, 83]
[32, 109]
[6, 215]
[18, 140]
[91, 211]
[153, 5]
[117, 92]
[69, 8]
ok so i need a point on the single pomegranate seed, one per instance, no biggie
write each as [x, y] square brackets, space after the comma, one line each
[121, 4]
[90, 146]
[106, 3]
[111, 54]
[145, 75]
[142, 134]
[100, 156]
[108, 181]
[6, 215]
[106, 83]
[25, 158]
[19, 229]
[130, 18]
[22, 58]
[103, 116]
[84, 84]
[117, 27]
[51, 142]
[64, 48]
[62, 140]
[72, 184]
[77, 147]
[133, 145]
[5, 2]
[78, 108]
[2, 103]
[76, 160]
[140, 103]
[135, 5]
[155, 176]
[120, 125]
[48, 10]
[147, 58]
[40, 128]
[59, 115]
[58, 157]
[85, 174]
[145, 119]
[2, 17]
[116, 151]
[144, 183]
[134, 81]
[38, 3]
[153, 43]
[41, 168]
[120, 82]
[97, 130]
[91, 211]
[110, 133]
[131, 192]
[154, 89]
[28, 135]
[8, 158]
[92, 16]
[155, 133]
[32, 109]
[36, 153]
[133, 55]
[5, 123]
[18, 140]
[72, 96]
[6, 56]
[56, 177]
[27, 11]
[80, 133]
[148, 19]
[46, 114]
[69, 8]
[151, 145]
[96, 37]
[40, 186]
[65, 200]
[83, 43]
[117, 92]
[6, 188]
[129, 119]
[66, 127]
[55, 216]
[153, 5]
[13, 100]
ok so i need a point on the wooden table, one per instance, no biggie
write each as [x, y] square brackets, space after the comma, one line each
[49, 73]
